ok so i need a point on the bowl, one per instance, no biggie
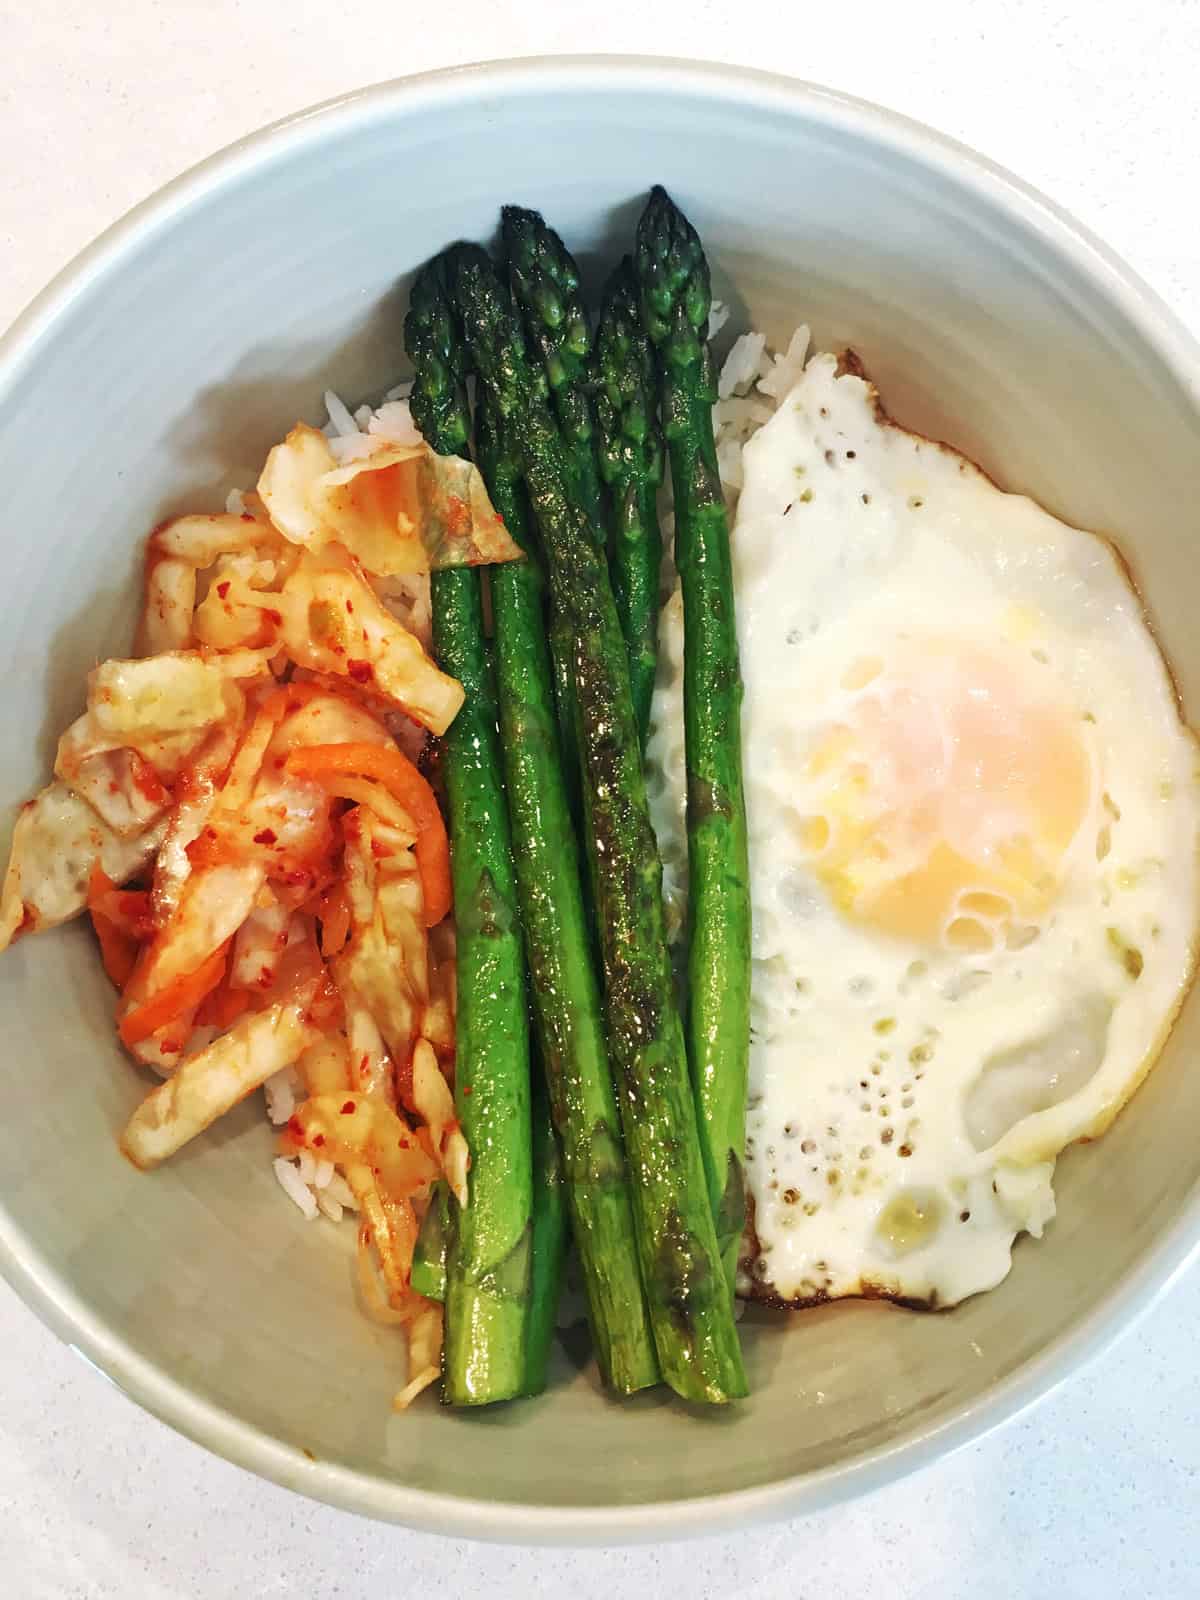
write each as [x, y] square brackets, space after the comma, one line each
[154, 374]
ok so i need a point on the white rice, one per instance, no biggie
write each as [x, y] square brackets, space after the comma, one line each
[741, 364]
[314, 1187]
[338, 1192]
[393, 421]
[294, 1186]
[340, 420]
[281, 1090]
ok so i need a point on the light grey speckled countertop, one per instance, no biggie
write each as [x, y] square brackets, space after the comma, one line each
[1096, 1493]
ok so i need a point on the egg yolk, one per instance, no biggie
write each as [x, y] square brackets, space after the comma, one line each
[942, 800]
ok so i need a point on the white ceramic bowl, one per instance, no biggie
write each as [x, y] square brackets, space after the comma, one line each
[154, 374]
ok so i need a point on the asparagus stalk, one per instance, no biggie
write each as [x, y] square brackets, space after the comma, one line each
[690, 1307]
[488, 1266]
[433, 1247]
[551, 1233]
[567, 1005]
[673, 277]
[631, 464]
[545, 283]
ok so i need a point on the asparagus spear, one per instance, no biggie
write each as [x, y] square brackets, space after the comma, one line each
[566, 993]
[551, 1231]
[549, 1247]
[545, 283]
[631, 464]
[673, 277]
[432, 1247]
[690, 1307]
[488, 1267]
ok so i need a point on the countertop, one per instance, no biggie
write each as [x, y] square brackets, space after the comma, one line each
[1095, 1492]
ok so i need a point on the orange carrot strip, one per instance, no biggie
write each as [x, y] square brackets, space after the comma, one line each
[181, 994]
[396, 772]
[99, 883]
[222, 1007]
[118, 950]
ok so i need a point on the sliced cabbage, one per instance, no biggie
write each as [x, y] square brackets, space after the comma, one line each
[384, 968]
[424, 1355]
[325, 719]
[199, 540]
[325, 1065]
[434, 1102]
[239, 607]
[208, 1084]
[372, 1070]
[259, 945]
[398, 508]
[131, 702]
[347, 1128]
[57, 841]
[333, 622]
[144, 721]
[214, 904]
[170, 600]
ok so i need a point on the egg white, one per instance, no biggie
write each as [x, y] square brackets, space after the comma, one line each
[907, 1098]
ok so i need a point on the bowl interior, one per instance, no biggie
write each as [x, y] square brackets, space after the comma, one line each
[159, 376]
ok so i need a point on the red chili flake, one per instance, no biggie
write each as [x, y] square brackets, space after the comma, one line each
[403, 1143]
[274, 617]
[364, 1066]
[280, 763]
[360, 671]
[350, 607]
[349, 1108]
[466, 1088]
[223, 589]
[380, 850]
[246, 517]
[266, 977]
[296, 1126]
[265, 836]
[114, 788]
[318, 1139]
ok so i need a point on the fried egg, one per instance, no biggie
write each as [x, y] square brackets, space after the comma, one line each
[973, 814]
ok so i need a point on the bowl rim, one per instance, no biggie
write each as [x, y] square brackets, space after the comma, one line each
[50, 1294]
